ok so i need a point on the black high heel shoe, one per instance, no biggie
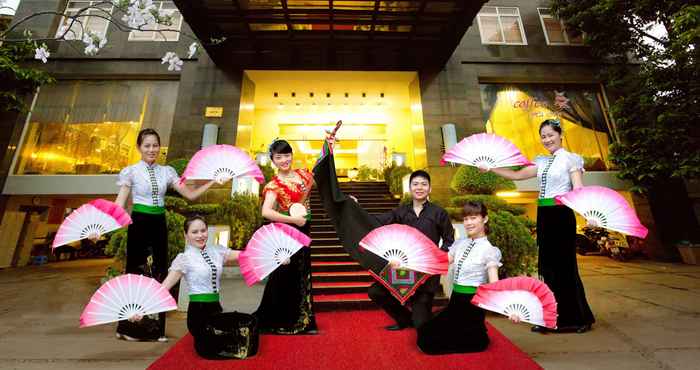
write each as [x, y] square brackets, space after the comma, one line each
[583, 328]
[539, 329]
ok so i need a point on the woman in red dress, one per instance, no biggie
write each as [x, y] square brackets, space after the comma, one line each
[287, 304]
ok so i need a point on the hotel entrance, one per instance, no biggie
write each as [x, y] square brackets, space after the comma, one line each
[381, 114]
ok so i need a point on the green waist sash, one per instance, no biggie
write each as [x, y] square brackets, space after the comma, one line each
[151, 210]
[547, 202]
[464, 289]
[204, 297]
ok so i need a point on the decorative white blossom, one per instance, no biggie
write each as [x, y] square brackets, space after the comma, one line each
[192, 50]
[174, 62]
[94, 41]
[41, 53]
[66, 33]
[142, 13]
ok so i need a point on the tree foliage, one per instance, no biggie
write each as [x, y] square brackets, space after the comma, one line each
[469, 180]
[655, 78]
[19, 81]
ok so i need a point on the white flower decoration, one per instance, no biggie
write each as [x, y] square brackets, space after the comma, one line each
[174, 62]
[41, 53]
[93, 42]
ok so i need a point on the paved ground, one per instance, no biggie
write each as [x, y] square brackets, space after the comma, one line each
[647, 316]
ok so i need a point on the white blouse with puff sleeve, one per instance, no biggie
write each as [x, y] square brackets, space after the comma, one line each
[472, 258]
[554, 172]
[202, 267]
[148, 183]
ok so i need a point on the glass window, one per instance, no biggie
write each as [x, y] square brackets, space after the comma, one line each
[160, 32]
[516, 111]
[555, 31]
[90, 127]
[501, 25]
[91, 17]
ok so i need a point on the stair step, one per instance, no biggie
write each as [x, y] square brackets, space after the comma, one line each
[342, 276]
[328, 288]
[323, 249]
[328, 266]
[331, 257]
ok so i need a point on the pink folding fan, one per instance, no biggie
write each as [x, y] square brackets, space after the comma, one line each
[124, 296]
[528, 298]
[268, 248]
[94, 218]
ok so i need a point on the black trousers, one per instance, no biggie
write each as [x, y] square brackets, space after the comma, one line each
[421, 304]
[147, 236]
[556, 239]
[459, 328]
[219, 335]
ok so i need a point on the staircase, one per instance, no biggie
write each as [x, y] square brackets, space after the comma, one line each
[338, 281]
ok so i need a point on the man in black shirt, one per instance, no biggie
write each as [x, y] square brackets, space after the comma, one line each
[433, 221]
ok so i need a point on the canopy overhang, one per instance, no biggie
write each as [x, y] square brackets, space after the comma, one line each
[330, 34]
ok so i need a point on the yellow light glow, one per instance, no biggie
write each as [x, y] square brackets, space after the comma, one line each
[316, 117]
[508, 194]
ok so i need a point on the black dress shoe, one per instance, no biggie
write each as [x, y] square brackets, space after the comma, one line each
[583, 328]
[395, 327]
[539, 329]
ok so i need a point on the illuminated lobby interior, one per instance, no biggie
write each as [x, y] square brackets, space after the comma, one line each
[381, 114]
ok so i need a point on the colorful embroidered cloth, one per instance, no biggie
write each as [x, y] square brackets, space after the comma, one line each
[400, 283]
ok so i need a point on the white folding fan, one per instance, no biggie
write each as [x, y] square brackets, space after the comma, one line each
[528, 298]
[94, 218]
[268, 248]
[408, 246]
[605, 207]
[124, 296]
[217, 162]
[485, 150]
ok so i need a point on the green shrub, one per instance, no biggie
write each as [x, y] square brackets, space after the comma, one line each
[116, 247]
[395, 179]
[469, 180]
[242, 214]
[365, 173]
[175, 204]
[268, 171]
[205, 210]
[492, 203]
[179, 165]
[176, 234]
[512, 236]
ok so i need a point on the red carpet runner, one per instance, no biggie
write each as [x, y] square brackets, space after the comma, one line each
[351, 340]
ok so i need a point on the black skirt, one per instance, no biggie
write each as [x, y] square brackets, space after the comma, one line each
[556, 239]
[287, 304]
[147, 236]
[459, 328]
[218, 335]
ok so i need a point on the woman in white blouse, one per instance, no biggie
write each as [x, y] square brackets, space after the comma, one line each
[147, 182]
[460, 327]
[558, 173]
[216, 334]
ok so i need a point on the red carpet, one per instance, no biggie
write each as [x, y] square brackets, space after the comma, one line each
[351, 340]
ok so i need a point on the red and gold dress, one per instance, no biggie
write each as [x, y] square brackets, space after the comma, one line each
[290, 192]
[287, 304]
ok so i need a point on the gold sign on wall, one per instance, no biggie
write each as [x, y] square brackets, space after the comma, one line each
[214, 112]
